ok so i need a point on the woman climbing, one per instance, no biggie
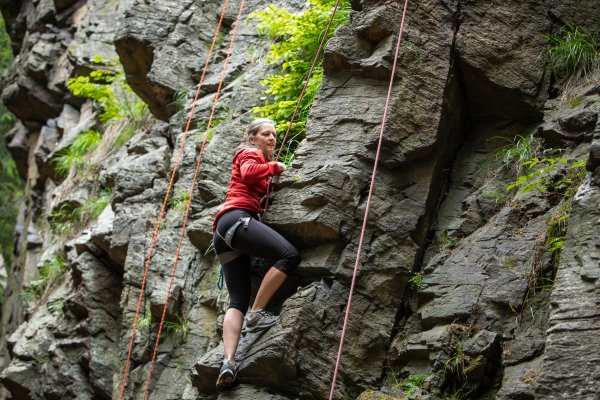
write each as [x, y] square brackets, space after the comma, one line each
[239, 234]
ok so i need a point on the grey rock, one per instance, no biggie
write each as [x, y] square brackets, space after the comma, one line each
[499, 86]
[484, 343]
[520, 381]
[593, 161]
[568, 371]
[20, 378]
[18, 146]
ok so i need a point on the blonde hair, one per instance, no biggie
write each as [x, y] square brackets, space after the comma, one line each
[251, 130]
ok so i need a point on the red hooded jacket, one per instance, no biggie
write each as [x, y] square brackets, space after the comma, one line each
[249, 179]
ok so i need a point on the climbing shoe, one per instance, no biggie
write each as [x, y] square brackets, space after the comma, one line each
[227, 375]
[260, 320]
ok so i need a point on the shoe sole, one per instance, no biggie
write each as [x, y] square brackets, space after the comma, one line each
[225, 381]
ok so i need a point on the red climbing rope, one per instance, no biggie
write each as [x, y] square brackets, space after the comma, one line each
[187, 211]
[366, 215]
[164, 204]
[310, 72]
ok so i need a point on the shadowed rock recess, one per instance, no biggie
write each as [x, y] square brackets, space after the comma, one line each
[459, 283]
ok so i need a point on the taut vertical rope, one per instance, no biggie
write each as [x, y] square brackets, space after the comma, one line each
[164, 204]
[191, 194]
[366, 215]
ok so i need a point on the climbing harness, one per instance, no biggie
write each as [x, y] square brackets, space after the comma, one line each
[368, 204]
[165, 201]
[228, 256]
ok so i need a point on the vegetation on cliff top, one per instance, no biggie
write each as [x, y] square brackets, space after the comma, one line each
[11, 185]
[295, 39]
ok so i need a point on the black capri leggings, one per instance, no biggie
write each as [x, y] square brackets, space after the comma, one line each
[257, 240]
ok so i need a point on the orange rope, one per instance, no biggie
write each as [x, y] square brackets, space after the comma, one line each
[164, 204]
[366, 215]
[187, 211]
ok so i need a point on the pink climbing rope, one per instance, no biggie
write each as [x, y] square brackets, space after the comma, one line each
[366, 215]
[191, 194]
[164, 204]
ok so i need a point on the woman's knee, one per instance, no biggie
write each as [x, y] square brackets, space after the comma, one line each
[289, 261]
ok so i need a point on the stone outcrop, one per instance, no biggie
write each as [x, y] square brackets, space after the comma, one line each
[456, 280]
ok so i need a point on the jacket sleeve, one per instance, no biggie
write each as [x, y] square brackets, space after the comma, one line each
[253, 167]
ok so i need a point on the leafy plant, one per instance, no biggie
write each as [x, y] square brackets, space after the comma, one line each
[50, 272]
[557, 229]
[574, 50]
[55, 306]
[110, 92]
[180, 200]
[126, 133]
[72, 156]
[515, 152]
[177, 329]
[295, 39]
[94, 206]
[145, 322]
[542, 171]
[64, 220]
[449, 242]
[11, 185]
[414, 383]
[416, 282]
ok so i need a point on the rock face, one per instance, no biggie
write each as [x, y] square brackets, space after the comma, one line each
[473, 288]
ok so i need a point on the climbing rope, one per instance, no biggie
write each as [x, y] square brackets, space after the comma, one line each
[189, 203]
[308, 77]
[368, 204]
[164, 204]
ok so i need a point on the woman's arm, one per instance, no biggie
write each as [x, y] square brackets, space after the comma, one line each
[253, 168]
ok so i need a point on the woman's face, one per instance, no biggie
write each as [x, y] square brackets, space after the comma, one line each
[265, 139]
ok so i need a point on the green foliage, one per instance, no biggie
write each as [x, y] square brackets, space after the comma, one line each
[295, 41]
[56, 306]
[72, 156]
[542, 174]
[414, 383]
[11, 185]
[177, 329]
[515, 152]
[574, 50]
[449, 242]
[110, 92]
[179, 200]
[145, 322]
[538, 294]
[179, 99]
[557, 230]
[64, 220]
[71, 216]
[416, 282]
[6, 55]
[51, 271]
[126, 133]
[94, 206]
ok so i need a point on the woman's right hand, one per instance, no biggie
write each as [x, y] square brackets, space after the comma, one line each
[281, 166]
